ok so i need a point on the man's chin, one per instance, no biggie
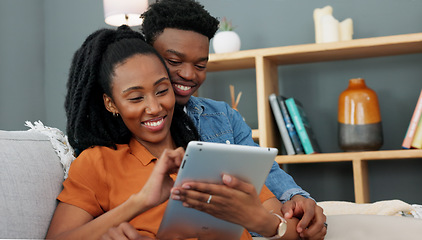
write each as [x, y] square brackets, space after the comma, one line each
[182, 100]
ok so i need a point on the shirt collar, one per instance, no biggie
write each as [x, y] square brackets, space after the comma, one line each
[140, 152]
[195, 104]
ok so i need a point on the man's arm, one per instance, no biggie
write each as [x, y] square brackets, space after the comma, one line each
[278, 181]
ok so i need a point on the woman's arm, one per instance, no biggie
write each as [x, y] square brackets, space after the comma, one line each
[71, 222]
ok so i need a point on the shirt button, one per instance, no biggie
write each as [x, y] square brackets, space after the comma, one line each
[227, 142]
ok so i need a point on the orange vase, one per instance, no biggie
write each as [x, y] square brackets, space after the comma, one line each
[359, 118]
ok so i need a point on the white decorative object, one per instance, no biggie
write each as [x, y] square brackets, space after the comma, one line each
[128, 12]
[226, 41]
[346, 29]
[328, 29]
[318, 13]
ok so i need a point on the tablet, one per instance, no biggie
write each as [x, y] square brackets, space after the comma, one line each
[206, 162]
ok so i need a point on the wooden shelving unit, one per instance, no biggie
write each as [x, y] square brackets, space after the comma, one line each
[266, 61]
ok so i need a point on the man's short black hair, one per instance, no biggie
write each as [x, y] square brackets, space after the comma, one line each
[180, 14]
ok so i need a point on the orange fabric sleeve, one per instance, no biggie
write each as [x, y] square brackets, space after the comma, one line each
[265, 194]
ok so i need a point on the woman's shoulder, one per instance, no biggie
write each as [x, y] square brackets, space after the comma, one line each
[97, 154]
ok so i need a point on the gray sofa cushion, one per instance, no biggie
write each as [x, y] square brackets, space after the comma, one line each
[31, 177]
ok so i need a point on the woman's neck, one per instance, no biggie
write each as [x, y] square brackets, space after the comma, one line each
[156, 149]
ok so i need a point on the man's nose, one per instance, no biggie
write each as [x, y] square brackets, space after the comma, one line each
[187, 72]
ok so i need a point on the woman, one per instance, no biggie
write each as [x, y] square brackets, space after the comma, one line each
[122, 116]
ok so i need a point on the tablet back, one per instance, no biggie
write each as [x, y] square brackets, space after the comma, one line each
[205, 162]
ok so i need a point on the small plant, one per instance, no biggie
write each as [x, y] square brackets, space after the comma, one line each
[226, 25]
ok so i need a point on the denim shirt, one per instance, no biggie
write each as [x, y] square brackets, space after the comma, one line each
[218, 122]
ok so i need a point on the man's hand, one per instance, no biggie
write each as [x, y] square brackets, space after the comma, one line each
[312, 218]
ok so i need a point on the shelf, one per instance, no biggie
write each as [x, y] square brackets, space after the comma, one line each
[350, 156]
[359, 162]
[265, 61]
[307, 53]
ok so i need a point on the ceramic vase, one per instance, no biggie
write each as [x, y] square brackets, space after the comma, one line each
[226, 41]
[359, 118]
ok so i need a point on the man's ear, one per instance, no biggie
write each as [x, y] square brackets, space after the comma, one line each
[109, 104]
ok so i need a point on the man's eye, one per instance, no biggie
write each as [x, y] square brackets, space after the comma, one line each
[201, 66]
[173, 62]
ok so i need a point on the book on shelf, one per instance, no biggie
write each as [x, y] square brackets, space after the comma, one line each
[411, 129]
[417, 138]
[294, 137]
[288, 145]
[302, 125]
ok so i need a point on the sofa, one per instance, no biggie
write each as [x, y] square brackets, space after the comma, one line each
[31, 177]
[35, 162]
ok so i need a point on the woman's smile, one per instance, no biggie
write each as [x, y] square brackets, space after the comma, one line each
[155, 124]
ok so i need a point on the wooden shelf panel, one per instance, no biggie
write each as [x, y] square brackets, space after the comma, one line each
[306, 53]
[350, 156]
[255, 134]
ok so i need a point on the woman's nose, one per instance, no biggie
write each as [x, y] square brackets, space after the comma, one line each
[153, 106]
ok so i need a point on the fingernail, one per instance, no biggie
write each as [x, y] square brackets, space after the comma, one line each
[175, 191]
[185, 204]
[175, 197]
[186, 186]
[227, 178]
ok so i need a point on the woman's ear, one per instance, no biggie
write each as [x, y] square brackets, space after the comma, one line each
[109, 104]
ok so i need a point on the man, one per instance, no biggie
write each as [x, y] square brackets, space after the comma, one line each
[180, 30]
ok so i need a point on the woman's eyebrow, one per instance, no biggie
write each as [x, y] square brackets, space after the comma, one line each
[140, 87]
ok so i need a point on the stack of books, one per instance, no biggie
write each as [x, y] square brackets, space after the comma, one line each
[413, 137]
[293, 123]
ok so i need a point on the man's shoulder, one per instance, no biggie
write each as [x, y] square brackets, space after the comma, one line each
[209, 104]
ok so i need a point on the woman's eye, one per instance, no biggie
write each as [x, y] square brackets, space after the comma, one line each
[162, 91]
[136, 98]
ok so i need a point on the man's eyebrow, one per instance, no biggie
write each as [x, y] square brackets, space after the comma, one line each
[181, 55]
[140, 87]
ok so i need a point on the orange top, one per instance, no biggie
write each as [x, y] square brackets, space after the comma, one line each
[102, 178]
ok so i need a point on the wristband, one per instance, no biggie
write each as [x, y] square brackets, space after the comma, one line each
[282, 228]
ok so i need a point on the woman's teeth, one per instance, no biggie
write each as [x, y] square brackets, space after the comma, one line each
[154, 124]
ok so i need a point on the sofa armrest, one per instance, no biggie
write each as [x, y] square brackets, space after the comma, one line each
[31, 177]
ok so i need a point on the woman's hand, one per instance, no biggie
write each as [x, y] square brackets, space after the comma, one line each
[124, 231]
[157, 189]
[232, 204]
[235, 201]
